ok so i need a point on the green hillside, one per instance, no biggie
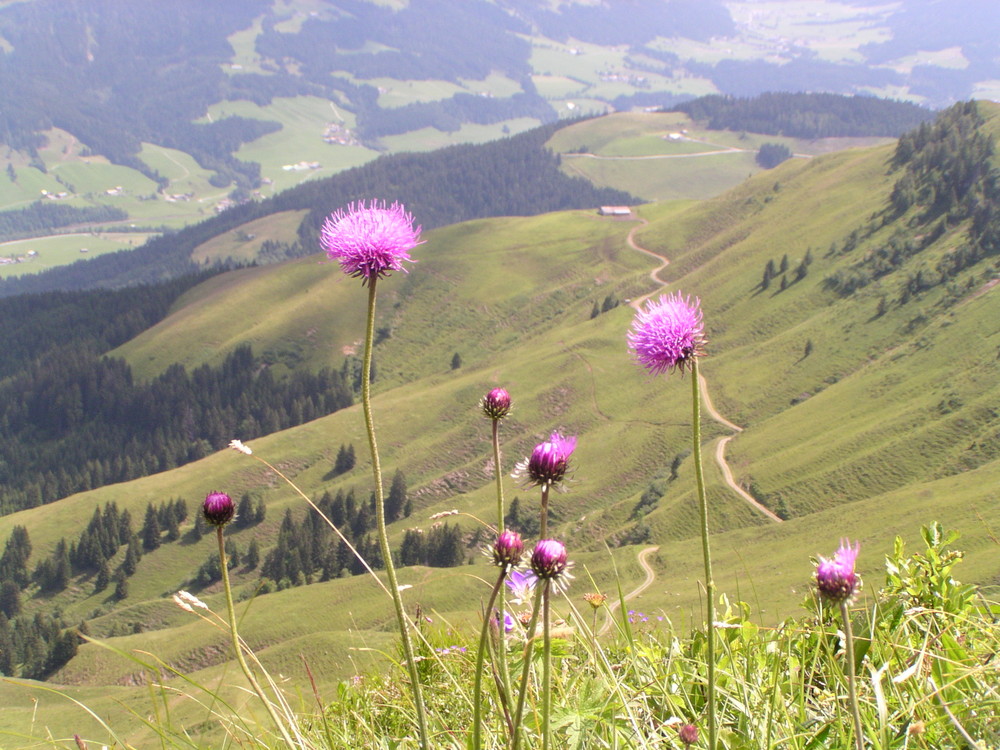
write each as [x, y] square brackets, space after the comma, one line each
[861, 418]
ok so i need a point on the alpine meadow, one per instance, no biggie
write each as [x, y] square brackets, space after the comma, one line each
[672, 427]
[839, 381]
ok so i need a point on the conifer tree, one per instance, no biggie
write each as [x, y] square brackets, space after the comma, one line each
[396, 499]
[150, 532]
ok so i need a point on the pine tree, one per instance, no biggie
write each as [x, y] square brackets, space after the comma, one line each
[456, 361]
[121, 587]
[103, 577]
[10, 599]
[150, 531]
[345, 460]
[252, 558]
[131, 561]
[396, 500]
[244, 512]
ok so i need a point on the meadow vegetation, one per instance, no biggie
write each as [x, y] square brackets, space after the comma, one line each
[860, 419]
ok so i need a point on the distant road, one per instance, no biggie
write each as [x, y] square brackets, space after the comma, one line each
[647, 582]
[717, 150]
[720, 448]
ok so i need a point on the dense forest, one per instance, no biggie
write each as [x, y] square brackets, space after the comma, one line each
[31, 325]
[71, 420]
[41, 217]
[30, 646]
[515, 176]
[946, 176]
[807, 115]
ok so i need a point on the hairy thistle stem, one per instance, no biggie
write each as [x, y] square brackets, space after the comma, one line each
[383, 537]
[526, 667]
[706, 550]
[477, 700]
[237, 646]
[852, 680]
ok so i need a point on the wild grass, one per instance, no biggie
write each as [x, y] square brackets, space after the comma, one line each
[926, 654]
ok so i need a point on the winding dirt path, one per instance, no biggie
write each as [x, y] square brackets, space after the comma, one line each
[647, 582]
[720, 448]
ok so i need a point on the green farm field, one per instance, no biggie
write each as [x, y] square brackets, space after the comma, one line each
[58, 250]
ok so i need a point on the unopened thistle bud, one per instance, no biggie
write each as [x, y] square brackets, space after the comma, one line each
[218, 509]
[549, 461]
[549, 563]
[496, 404]
[507, 549]
[688, 734]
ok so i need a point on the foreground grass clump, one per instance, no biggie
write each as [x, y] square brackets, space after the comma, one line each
[925, 650]
[927, 656]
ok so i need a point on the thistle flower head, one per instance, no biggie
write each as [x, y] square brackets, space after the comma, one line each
[496, 403]
[688, 734]
[218, 509]
[507, 549]
[667, 334]
[549, 461]
[549, 563]
[835, 578]
[370, 240]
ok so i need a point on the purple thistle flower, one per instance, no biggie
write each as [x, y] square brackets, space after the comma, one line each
[836, 579]
[549, 563]
[370, 240]
[496, 403]
[218, 509]
[548, 462]
[507, 549]
[667, 334]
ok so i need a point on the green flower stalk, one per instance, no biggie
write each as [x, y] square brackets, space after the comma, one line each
[838, 583]
[369, 241]
[507, 551]
[496, 406]
[668, 335]
[549, 564]
[218, 511]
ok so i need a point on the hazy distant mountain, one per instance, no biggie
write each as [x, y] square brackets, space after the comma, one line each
[260, 95]
[117, 74]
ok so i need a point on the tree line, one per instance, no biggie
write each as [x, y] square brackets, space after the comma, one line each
[806, 115]
[71, 420]
[42, 217]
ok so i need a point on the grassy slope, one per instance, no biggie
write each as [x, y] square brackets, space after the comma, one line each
[672, 169]
[869, 455]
